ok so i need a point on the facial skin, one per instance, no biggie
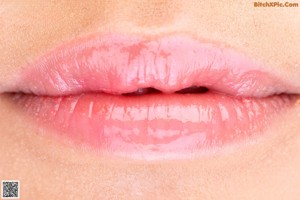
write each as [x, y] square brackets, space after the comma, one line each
[48, 169]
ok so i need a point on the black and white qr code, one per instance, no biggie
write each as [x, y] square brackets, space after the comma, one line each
[10, 189]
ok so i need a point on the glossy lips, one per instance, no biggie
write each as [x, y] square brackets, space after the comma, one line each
[76, 90]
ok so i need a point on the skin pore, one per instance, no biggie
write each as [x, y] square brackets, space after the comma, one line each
[48, 169]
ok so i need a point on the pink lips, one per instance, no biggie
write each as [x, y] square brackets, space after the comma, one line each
[76, 91]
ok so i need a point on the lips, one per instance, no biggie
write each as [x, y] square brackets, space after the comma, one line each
[150, 97]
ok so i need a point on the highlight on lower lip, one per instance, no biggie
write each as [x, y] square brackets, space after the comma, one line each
[155, 124]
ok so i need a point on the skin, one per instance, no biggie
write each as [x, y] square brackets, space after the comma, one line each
[50, 169]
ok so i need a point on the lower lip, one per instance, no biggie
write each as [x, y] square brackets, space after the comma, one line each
[154, 125]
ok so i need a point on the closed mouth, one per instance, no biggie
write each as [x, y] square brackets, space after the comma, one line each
[146, 97]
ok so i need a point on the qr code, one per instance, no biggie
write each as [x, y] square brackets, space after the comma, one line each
[10, 189]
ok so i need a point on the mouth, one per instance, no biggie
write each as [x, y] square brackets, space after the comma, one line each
[150, 97]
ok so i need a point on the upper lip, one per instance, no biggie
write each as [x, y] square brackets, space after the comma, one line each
[121, 64]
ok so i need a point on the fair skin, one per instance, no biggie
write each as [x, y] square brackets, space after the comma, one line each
[48, 169]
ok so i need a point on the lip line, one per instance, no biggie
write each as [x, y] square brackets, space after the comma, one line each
[21, 85]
